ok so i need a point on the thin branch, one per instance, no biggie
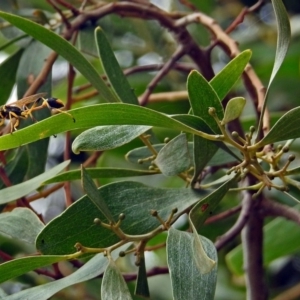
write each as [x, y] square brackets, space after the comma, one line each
[239, 224]
[73, 9]
[153, 272]
[64, 19]
[272, 208]
[223, 215]
[163, 71]
[240, 18]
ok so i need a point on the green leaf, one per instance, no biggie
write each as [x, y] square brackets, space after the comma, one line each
[86, 40]
[93, 268]
[12, 41]
[20, 266]
[113, 285]
[134, 199]
[187, 280]
[204, 208]
[63, 48]
[283, 41]
[203, 151]
[174, 157]
[281, 238]
[286, 128]
[31, 64]
[8, 69]
[284, 36]
[102, 138]
[202, 96]
[91, 190]
[99, 173]
[21, 224]
[22, 189]
[142, 288]
[221, 157]
[96, 115]
[234, 109]
[202, 261]
[16, 167]
[197, 217]
[113, 71]
[223, 82]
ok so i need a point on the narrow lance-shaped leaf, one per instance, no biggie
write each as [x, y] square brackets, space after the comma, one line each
[31, 64]
[63, 48]
[20, 190]
[93, 268]
[96, 115]
[202, 96]
[283, 40]
[204, 208]
[102, 138]
[286, 128]
[234, 109]
[8, 69]
[112, 69]
[223, 82]
[19, 266]
[93, 194]
[100, 173]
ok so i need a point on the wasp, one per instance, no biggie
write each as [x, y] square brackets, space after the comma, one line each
[23, 108]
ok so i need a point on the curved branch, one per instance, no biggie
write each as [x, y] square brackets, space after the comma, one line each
[239, 224]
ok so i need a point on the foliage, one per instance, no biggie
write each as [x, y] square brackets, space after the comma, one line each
[215, 158]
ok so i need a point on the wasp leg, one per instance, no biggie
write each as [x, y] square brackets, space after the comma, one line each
[56, 104]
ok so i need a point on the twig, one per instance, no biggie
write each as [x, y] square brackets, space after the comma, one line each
[153, 272]
[163, 71]
[240, 18]
[73, 9]
[271, 208]
[223, 215]
[64, 19]
[239, 224]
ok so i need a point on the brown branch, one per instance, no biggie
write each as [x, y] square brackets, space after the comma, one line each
[73, 9]
[153, 272]
[64, 19]
[40, 79]
[223, 215]
[163, 71]
[239, 224]
[252, 242]
[275, 209]
[240, 18]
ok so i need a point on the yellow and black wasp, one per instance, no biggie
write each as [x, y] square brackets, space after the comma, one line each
[23, 108]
